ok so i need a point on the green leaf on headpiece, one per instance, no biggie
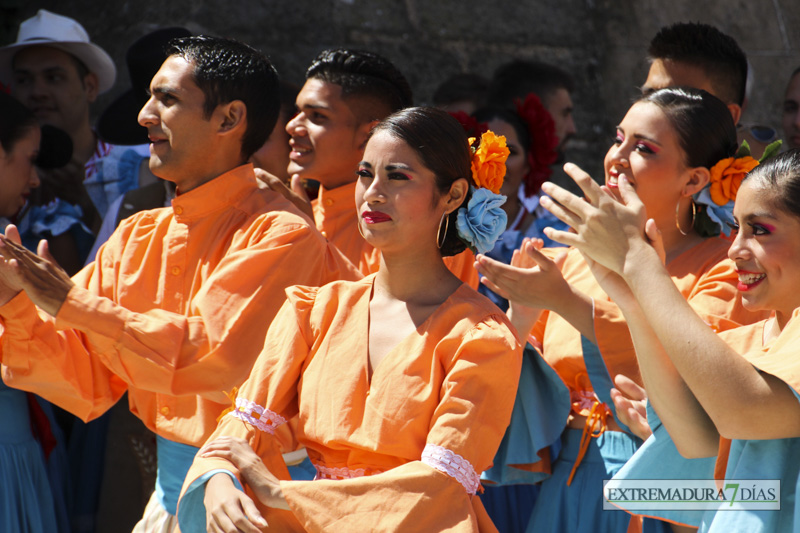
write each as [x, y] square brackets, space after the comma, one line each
[743, 151]
[706, 227]
[772, 149]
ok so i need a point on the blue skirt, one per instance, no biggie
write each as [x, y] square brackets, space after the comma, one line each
[26, 504]
[578, 508]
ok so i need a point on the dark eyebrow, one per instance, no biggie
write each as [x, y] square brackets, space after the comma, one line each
[314, 106]
[365, 164]
[751, 216]
[398, 166]
[168, 91]
[639, 136]
[644, 137]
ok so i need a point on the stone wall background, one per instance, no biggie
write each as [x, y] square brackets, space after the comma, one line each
[601, 42]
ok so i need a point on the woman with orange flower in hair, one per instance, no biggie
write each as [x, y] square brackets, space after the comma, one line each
[401, 382]
[530, 135]
[674, 145]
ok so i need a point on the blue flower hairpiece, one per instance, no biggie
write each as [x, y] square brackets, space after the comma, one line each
[482, 221]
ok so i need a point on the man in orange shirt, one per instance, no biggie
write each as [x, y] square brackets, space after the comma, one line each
[176, 307]
[346, 93]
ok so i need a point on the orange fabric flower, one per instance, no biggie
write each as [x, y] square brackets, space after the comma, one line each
[232, 397]
[727, 175]
[489, 162]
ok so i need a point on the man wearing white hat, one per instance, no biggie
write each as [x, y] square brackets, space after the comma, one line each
[56, 71]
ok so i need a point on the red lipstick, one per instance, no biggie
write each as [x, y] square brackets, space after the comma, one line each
[375, 217]
[749, 280]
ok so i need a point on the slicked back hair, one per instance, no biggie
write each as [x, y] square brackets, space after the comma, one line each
[227, 70]
[707, 48]
[363, 74]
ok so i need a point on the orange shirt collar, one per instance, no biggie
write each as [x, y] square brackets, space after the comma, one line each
[223, 191]
[339, 199]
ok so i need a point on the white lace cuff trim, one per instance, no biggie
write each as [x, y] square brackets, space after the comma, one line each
[327, 472]
[453, 465]
[260, 417]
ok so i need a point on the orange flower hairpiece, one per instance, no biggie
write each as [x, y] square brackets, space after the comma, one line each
[489, 161]
[727, 176]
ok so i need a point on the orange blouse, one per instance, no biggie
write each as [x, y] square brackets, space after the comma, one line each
[402, 450]
[174, 309]
[336, 218]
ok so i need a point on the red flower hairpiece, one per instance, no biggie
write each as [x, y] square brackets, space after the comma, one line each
[470, 124]
[542, 151]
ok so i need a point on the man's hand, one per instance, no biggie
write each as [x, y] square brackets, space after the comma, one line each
[297, 194]
[46, 284]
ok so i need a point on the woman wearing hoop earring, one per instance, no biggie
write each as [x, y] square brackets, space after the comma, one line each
[405, 373]
[678, 148]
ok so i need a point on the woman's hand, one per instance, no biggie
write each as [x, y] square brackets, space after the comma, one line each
[630, 402]
[229, 510]
[606, 230]
[532, 279]
[261, 481]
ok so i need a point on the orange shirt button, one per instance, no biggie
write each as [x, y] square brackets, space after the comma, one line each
[164, 411]
[324, 234]
[178, 210]
[328, 202]
[176, 270]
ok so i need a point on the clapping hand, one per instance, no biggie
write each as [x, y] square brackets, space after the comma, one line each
[630, 403]
[46, 283]
[605, 229]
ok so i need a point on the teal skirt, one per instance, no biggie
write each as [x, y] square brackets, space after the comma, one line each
[26, 503]
[578, 508]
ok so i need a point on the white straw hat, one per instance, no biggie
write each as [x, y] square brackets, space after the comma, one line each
[63, 33]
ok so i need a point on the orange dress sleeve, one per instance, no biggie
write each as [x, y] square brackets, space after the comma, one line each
[265, 401]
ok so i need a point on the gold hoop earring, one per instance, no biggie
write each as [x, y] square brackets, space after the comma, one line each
[439, 240]
[677, 219]
[360, 230]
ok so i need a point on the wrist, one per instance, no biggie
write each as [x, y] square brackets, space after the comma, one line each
[523, 319]
[641, 259]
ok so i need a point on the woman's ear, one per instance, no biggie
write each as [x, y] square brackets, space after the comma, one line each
[698, 177]
[457, 194]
